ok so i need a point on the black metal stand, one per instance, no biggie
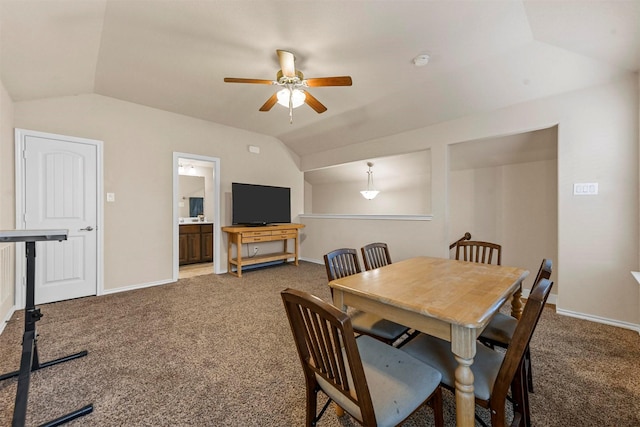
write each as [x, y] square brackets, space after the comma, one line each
[29, 361]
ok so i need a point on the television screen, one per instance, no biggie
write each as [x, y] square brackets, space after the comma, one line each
[260, 204]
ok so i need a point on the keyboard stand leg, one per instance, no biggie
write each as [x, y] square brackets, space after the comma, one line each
[29, 360]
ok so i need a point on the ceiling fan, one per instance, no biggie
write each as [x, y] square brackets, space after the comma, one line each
[294, 93]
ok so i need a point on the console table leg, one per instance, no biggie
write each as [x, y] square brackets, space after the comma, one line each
[239, 257]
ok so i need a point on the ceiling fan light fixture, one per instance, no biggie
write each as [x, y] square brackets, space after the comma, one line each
[297, 97]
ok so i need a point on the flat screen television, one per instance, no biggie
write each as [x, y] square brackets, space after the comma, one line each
[260, 204]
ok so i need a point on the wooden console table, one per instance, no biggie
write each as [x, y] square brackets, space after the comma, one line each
[240, 234]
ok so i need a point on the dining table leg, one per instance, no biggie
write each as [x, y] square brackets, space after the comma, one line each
[516, 304]
[463, 346]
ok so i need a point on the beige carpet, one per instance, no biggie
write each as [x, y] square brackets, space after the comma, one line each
[217, 351]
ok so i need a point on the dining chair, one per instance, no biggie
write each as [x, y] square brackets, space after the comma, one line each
[494, 372]
[375, 255]
[344, 262]
[377, 384]
[500, 329]
[477, 251]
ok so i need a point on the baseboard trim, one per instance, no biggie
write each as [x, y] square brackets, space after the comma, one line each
[134, 287]
[598, 319]
[7, 318]
[315, 261]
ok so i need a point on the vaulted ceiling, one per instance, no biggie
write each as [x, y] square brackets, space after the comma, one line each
[173, 55]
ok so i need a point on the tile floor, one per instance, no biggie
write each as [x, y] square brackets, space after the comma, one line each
[192, 270]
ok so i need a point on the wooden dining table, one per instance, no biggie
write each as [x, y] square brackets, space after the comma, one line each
[452, 300]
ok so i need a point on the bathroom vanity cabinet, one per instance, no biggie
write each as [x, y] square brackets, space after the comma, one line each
[195, 243]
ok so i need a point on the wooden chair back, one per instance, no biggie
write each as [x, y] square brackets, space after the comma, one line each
[544, 272]
[477, 251]
[341, 263]
[327, 348]
[375, 255]
[513, 360]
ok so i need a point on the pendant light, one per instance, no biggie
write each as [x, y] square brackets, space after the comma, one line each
[370, 192]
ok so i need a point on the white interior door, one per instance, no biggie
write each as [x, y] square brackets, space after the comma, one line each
[61, 192]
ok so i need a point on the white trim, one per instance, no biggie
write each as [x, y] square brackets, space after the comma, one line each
[7, 318]
[376, 217]
[20, 264]
[139, 286]
[598, 319]
[217, 234]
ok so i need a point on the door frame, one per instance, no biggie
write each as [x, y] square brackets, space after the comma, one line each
[20, 260]
[217, 235]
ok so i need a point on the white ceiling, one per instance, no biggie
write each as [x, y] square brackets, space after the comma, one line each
[173, 55]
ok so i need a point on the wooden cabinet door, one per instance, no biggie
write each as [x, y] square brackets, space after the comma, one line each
[183, 245]
[207, 247]
[195, 247]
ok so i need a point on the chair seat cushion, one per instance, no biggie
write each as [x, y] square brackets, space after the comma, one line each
[398, 383]
[500, 329]
[437, 353]
[370, 323]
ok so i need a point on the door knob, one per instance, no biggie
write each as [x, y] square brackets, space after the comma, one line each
[89, 228]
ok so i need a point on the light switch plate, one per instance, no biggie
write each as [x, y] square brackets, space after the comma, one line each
[585, 189]
[111, 197]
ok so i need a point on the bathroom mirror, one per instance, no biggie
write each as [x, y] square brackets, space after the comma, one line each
[190, 188]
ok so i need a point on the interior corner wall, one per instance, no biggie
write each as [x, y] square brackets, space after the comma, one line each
[139, 143]
[598, 133]
[7, 198]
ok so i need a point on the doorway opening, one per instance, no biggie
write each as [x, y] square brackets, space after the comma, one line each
[196, 215]
[504, 189]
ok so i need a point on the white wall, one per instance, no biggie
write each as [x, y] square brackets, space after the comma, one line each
[396, 197]
[597, 236]
[404, 183]
[138, 154]
[7, 199]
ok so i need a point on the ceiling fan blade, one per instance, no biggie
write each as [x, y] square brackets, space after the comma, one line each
[287, 63]
[270, 102]
[258, 81]
[312, 102]
[330, 81]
